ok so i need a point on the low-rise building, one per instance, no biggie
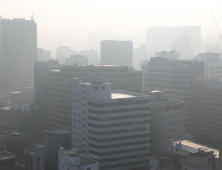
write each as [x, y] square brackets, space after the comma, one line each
[53, 140]
[167, 124]
[173, 55]
[77, 59]
[187, 155]
[34, 158]
[75, 159]
[7, 161]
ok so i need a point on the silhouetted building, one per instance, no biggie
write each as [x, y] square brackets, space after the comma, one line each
[41, 81]
[92, 56]
[18, 52]
[59, 81]
[182, 80]
[53, 140]
[160, 38]
[63, 52]
[167, 116]
[170, 55]
[124, 117]
[43, 55]
[183, 46]
[116, 52]
[139, 54]
[3, 143]
[77, 59]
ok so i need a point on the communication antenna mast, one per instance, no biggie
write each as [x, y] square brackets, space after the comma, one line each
[32, 17]
[216, 24]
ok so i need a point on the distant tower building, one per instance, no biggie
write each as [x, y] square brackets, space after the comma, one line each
[43, 55]
[173, 55]
[77, 59]
[167, 121]
[64, 52]
[112, 126]
[18, 52]
[41, 81]
[116, 52]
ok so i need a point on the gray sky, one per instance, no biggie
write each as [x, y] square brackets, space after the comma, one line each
[54, 17]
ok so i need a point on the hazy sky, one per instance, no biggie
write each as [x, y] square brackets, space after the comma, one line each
[125, 16]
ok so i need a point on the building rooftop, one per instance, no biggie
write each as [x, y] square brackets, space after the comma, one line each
[119, 94]
[193, 147]
[20, 135]
[76, 153]
[6, 155]
[5, 108]
[64, 130]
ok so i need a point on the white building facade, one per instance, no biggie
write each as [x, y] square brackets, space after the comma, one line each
[112, 126]
[70, 159]
[116, 52]
[212, 65]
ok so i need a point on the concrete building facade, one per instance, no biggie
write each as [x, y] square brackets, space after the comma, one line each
[34, 158]
[43, 55]
[167, 121]
[72, 159]
[211, 106]
[182, 80]
[112, 126]
[18, 52]
[59, 81]
[116, 52]
[41, 81]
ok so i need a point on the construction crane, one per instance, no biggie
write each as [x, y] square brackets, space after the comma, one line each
[216, 24]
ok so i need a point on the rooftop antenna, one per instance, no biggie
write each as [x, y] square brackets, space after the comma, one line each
[32, 17]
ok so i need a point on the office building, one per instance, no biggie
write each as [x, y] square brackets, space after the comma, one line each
[167, 115]
[187, 155]
[53, 140]
[116, 52]
[34, 158]
[144, 68]
[113, 126]
[3, 143]
[77, 59]
[139, 55]
[72, 159]
[59, 81]
[18, 52]
[211, 106]
[182, 80]
[212, 65]
[170, 55]
[41, 81]
[160, 38]
[43, 55]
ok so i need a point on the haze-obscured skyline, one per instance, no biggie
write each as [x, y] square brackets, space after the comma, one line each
[71, 22]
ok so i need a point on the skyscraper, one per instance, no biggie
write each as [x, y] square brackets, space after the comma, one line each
[116, 52]
[18, 52]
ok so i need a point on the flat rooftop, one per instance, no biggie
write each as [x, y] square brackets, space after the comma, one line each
[193, 147]
[6, 155]
[76, 153]
[119, 94]
[61, 131]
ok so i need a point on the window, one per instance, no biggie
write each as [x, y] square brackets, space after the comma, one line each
[95, 88]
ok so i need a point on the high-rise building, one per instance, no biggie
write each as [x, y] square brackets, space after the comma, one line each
[182, 80]
[212, 65]
[116, 52]
[41, 81]
[160, 38]
[170, 55]
[63, 52]
[167, 116]
[77, 59]
[59, 81]
[92, 55]
[211, 106]
[113, 126]
[18, 52]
